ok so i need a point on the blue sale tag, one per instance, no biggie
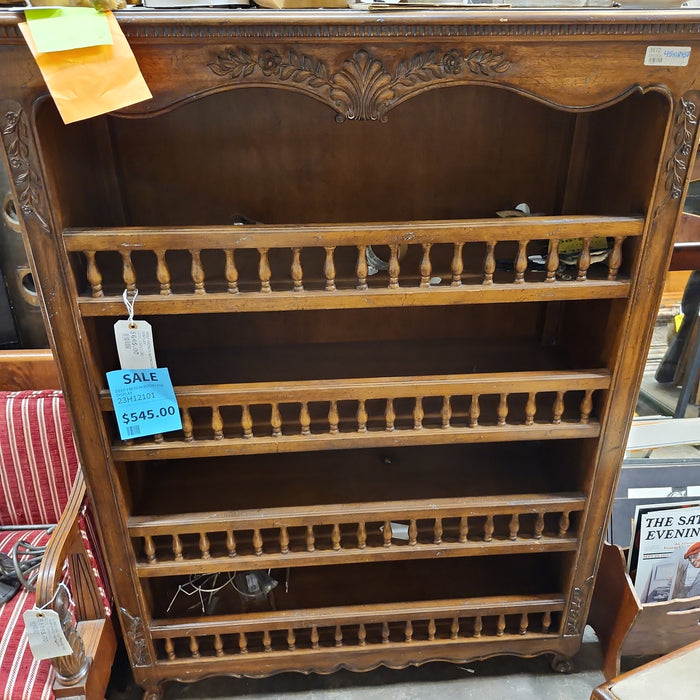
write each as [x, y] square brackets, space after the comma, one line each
[144, 402]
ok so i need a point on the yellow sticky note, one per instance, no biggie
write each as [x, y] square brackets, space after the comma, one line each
[678, 321]
[93, 80]
[65, 28]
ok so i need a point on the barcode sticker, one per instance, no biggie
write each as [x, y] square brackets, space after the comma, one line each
[667, 56]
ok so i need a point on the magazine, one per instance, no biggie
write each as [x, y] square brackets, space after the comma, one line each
[668, 552]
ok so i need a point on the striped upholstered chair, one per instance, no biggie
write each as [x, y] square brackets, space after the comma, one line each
[42, 485]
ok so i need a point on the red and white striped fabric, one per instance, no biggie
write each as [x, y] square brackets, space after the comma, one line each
[22, 677]
[38, 463]
[38, 460]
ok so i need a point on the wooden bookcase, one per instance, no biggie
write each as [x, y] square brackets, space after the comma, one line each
[466, 393]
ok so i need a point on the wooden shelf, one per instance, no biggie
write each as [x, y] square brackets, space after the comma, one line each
[243, 268]
[417, 628]
[278, 537]
[373, 412]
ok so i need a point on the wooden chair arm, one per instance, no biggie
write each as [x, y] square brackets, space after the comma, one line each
[67, 543]
[60, 544]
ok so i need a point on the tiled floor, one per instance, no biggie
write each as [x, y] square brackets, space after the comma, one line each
[499, 678]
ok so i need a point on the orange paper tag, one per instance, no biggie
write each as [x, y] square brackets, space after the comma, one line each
[93, 80]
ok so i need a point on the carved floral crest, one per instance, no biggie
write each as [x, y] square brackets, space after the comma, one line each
[362, 89]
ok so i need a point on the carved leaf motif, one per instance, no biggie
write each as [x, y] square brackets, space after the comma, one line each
[362, 89]
[677, 164]
[16, 138]
[304, 69]
[484, 62]
[234, 64]
[421, 68]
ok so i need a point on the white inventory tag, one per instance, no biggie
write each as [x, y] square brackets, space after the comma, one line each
[667, 56]
[44, 634]
[135, 344]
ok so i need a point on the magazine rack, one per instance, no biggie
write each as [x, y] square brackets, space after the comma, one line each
[430, 451]
[626, 627]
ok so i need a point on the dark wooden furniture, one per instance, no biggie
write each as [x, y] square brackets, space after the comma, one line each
[465, 397]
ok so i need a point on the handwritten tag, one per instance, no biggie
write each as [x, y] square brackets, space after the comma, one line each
[135, 344]
[667, 56]
[44, 634]
[144, 402]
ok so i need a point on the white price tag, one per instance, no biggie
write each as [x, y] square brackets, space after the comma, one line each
[44, 634]
[135, 344]
[667, 56]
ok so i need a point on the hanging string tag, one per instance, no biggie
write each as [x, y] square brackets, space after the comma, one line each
[134, 338]
[44, 632]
